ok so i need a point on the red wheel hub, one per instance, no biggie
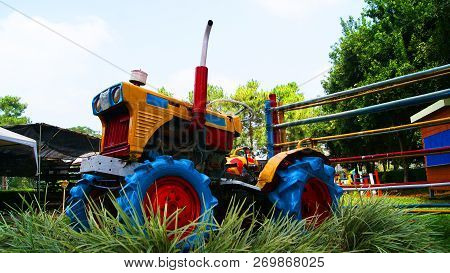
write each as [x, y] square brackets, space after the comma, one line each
[169, 194]
[316, 200]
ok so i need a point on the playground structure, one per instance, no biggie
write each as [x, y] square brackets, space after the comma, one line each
[163, 156]
[276, 126]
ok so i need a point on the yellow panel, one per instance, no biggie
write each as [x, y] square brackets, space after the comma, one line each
[145, 119]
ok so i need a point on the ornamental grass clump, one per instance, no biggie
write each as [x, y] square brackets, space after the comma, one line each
[365, 225]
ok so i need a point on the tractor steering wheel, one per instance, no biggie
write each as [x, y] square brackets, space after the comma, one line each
[243, 107]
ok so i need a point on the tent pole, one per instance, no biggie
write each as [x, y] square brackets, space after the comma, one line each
[39, 164]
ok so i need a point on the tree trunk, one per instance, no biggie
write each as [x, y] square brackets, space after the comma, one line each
[404, 163]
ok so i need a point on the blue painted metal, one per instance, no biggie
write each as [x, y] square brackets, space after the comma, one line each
[111, 89]
[421, 99]
[438, 140]
[76, 210]
[215, 120]
[157, 101]
[287, 196]
[402, 79]
[111, 101]
[137, 184]
[269, 129]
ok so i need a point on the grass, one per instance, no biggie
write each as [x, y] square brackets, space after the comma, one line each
[440, 222]
[366, 225]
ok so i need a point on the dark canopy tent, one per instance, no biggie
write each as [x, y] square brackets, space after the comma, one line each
[18, 154]
[57, 149]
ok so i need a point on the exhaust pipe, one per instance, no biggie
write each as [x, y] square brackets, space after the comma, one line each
[201, 84]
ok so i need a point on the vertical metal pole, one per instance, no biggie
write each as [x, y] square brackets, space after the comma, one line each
[282, 131]
[269, 129]
[276, 132]
[39, 164]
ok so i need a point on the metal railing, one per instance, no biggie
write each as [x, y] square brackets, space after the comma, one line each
[274, 111]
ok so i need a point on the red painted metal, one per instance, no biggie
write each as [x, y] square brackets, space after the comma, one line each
[219, 139]
[316, 200]
[115, 141]
[375, 157]
[374, 187]
[377, 182]
[276, 132]
[200, 96]
[171, 194]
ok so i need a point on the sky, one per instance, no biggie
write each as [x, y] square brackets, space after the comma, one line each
[271, 41]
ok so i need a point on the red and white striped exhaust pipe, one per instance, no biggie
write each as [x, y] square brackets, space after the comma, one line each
[201, 84]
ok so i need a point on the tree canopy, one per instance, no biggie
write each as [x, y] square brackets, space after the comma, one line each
[12, 110]
[85, 130]
[391, 38]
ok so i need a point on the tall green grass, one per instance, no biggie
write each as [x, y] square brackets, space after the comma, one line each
[367, 225]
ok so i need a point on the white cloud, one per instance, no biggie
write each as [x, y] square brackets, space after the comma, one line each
[297, 8]
[55, 78]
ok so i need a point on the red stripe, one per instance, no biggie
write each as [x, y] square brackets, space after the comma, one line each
[391, 184]
[374, 157]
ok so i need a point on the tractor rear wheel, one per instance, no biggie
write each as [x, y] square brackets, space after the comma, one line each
[306, 189]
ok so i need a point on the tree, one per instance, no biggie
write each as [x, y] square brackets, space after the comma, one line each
[11, 111]
[214, 92]
[391, 38]
[164, 91]
[254, 97]
[85, 130]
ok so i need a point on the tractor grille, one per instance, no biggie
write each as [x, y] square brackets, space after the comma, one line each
[116, 134]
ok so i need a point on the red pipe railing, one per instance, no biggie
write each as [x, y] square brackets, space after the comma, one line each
[374, 157]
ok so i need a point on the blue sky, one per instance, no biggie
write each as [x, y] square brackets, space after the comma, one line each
[272, 41]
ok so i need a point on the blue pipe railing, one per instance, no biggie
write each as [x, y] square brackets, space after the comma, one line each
[421, 99]
[386, 84]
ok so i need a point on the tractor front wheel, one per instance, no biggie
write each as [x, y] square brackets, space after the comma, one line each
[172, 189]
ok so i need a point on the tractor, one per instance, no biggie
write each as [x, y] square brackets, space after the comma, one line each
[159, 153]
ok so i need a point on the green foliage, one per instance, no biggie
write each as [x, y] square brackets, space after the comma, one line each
[371, 225]
[11, 111]
[252, 95]
[214, 92]
[85, 130]
[164, 91]
[20, 183]
[391, 38]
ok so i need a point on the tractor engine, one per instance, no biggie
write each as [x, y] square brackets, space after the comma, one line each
[139, 124]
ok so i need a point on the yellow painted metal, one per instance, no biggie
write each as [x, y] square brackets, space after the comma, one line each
[249, 161]
[145, 119]
[433, 211]
[268, 173]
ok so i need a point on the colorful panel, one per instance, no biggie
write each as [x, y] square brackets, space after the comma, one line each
[441, 139]
[215, 120]
[157, 101]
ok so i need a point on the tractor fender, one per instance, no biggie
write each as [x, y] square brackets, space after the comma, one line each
[267, 179]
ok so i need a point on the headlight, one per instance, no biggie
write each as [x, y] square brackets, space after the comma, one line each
[116, 94]
[107, 98]
[97, 106]
[104, 100]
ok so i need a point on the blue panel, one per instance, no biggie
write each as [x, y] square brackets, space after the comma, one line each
[157, 101]
[438, 140]
[215, 120]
